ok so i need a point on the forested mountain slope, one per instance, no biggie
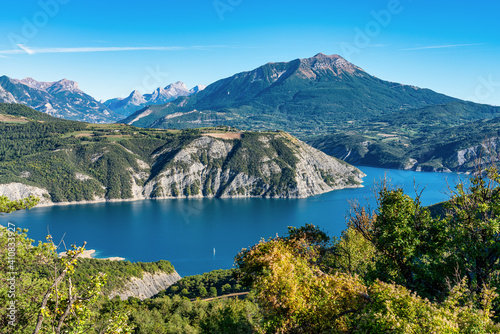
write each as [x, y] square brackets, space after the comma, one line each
[65, 161]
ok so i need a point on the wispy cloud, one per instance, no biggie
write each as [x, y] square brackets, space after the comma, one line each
[441, 46]
[24, 49]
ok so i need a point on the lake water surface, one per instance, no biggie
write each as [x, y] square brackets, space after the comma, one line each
[187, 231]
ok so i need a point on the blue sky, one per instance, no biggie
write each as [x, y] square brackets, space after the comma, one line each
[112, 47]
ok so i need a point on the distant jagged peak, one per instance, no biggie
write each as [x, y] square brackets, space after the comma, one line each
[179, 85]
[135, 93]
[197, 88]
[65, 85]
[135, 98]
[159, 96]
[56, 86]
[170, 92]
[66, 82]
[155, 94]
[30, 82]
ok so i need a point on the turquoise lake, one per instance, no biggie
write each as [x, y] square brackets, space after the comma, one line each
[186, 231]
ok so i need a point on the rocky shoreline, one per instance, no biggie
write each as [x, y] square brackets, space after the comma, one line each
[89, 254]
[6, 190]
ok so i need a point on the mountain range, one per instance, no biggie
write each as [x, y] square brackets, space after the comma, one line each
[64, 99]
[339, 108]
[136, 100]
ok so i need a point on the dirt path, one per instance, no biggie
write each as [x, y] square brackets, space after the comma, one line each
[225, 296]
[228, 135]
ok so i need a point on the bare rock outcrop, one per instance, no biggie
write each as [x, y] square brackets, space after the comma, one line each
[16, 191]
[147, 286]
[208, 167]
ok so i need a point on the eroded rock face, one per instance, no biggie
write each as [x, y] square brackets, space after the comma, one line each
[311, 172]
[486, 152]
[16, 191]
[148, 286]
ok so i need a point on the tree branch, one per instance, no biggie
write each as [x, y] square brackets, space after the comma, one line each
[48, 293]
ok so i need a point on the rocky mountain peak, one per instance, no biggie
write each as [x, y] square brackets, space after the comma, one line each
[65, 85]
[29, 81]
[333, 63]
[135, 98]
[324, 56]
[197, 88]
[170, 92]
[135, 93]
[177, 85]
[32, 83]
[136, 101]
[57, 86]
[158, 93]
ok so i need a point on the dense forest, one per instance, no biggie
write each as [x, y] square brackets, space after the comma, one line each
[401, 268]
[212, 284]
[40, 150]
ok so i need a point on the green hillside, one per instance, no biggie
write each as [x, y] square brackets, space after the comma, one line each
[437, 138]
[76, 161]
[48, 152]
